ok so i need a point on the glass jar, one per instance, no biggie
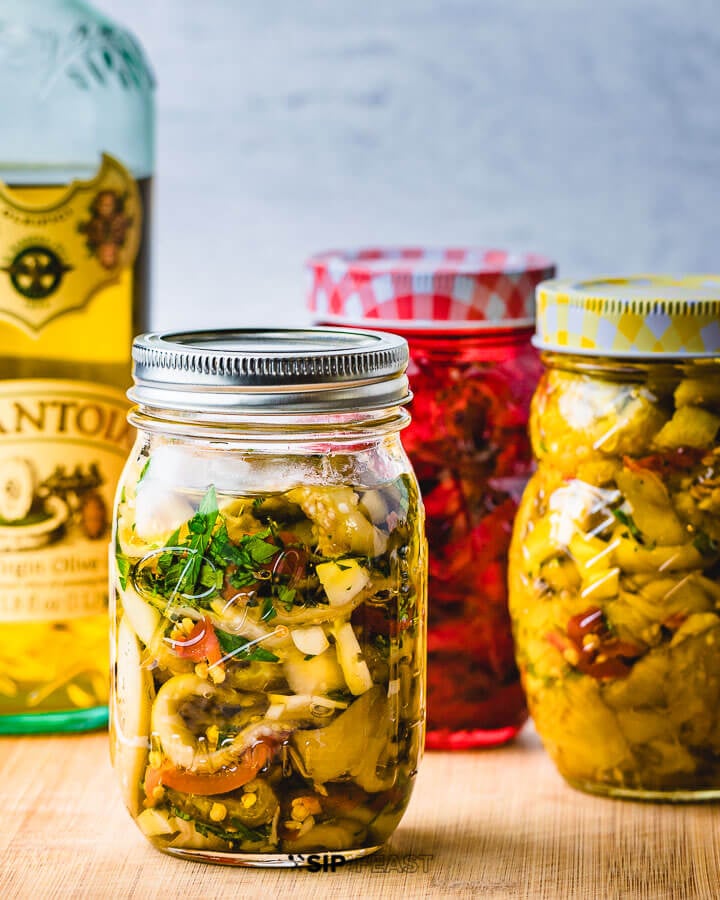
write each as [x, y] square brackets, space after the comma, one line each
[269, 595]
[76, 165]
[467, 316]
[615, 562]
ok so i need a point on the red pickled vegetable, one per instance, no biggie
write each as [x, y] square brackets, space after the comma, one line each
[469, 446]
[593, 649]
[201, 645]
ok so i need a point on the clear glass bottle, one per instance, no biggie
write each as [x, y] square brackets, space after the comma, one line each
[467, 315]
[614, 565]
[268, 596]
[76, 162]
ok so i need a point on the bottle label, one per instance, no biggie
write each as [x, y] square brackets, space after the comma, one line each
[63, 445]
[60, 246]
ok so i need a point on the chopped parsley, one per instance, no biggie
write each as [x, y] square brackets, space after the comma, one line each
[250, 553]
[123, 564]
[179, 568]
[704, 544]
[240, 832]
[226, 736]
[143, 471]
[339, 696]
[286, 597]
[180, 814]
[240, 648]
[268, 610]
[194, 567]
[628, 521]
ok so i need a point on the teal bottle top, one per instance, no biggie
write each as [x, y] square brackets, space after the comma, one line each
[73, 85]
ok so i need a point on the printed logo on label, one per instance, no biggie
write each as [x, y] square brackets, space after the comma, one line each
[36, 272]
[57, 255]
[62, 447]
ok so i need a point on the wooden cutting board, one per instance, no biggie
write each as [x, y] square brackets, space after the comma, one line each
[489, 824]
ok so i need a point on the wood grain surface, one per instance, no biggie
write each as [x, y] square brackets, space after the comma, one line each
[489, 824]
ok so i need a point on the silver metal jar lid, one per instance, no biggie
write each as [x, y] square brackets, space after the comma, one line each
[268, 370]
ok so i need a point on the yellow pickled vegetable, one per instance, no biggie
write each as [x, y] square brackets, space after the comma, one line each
[614, 591]
[691, 426]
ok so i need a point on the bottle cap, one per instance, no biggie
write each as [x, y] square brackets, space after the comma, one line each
[406, 288]
[276, 371]
[633, 317]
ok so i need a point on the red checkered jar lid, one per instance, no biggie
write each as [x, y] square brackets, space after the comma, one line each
[407, 288]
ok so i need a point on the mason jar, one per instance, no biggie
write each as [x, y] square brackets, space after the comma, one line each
[268, 596]
[468, 317]
[615, 562]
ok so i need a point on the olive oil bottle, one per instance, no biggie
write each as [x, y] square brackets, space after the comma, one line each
[76, 162]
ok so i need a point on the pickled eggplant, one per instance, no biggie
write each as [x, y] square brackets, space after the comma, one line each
[268, 693]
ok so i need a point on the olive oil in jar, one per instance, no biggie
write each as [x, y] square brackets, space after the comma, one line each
[75, 176]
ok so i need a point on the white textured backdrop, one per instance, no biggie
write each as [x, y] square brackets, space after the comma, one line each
[587, 130]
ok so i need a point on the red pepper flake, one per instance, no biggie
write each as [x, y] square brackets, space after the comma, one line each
[603, 655]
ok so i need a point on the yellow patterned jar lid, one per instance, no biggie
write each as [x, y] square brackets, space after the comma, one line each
[637, 316]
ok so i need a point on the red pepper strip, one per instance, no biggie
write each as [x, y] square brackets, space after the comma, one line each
[200, 645]
[607, 657]
[674, 460]
[153, 781]
[592, 621]
[228, 779]
[608, 668]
